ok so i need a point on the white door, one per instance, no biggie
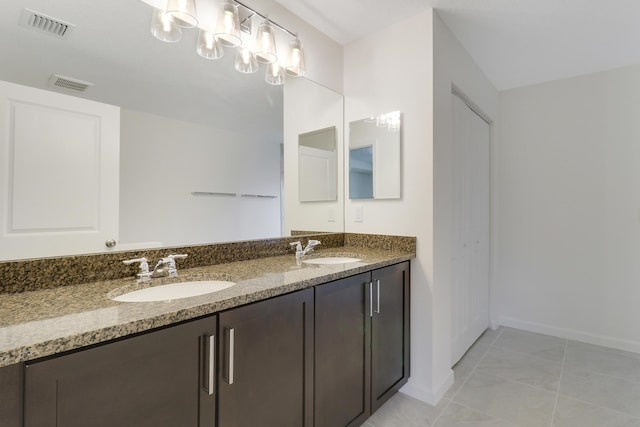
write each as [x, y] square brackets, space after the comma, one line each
[470, 257]
[317, 174]
[59, 179]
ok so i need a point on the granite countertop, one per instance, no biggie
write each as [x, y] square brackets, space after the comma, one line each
[45, 322]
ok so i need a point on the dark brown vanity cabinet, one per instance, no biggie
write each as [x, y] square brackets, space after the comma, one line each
[265, 375]
[164, 378]
[361, 344]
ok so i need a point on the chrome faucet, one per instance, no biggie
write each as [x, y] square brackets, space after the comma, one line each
[166, 267]
[302, 252]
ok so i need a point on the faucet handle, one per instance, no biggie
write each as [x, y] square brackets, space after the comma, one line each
[171, 261]
[172, 258]
[144, 263]
[144, 274]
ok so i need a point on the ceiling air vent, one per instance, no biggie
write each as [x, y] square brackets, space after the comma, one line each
[70, 83]
[45, 24]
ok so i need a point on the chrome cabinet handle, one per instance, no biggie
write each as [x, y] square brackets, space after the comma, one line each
[232, 334]
[211, 367]
[378, 303]
[370, 299]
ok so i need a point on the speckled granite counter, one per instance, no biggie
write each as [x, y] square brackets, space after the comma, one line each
[44, 322]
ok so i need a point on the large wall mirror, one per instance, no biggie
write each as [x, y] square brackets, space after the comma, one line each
[374, 157]
[201, 145]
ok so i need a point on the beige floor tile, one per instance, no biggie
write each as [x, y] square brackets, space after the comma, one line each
[573, 413]
[603, 390]
[519, 403]
[521, 368]
[598, 359]
[532, 344]
[456, 415]
[404, 411]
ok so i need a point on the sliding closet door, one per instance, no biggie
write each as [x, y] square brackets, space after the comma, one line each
[470, 257]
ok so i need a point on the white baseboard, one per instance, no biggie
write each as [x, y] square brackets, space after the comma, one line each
[571, 334]
[425, 394]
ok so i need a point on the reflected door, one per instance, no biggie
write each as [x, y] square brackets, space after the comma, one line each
[59, 157]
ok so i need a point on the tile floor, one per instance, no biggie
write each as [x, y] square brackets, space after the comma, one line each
[513, 378]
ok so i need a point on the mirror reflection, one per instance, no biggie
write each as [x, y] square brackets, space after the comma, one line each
[374, 157]
[201, 145]
[317, 171]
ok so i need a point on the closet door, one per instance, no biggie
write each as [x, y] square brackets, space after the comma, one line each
[59, 180]
[470, 257]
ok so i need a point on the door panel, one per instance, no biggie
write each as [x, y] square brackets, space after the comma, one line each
[151, 380]
[342, 348]
[266, 363]
[60, 160]
[470, 234]
[389, 332]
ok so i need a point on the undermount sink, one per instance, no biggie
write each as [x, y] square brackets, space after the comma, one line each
[332, 260]
[174, 291]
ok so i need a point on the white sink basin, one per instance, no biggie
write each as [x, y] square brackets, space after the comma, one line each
[331, 260]
[174, 291]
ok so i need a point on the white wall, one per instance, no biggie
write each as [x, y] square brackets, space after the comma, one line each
[309, 107]
[163, 160]
[387, 71]
[453, 68]
[567, 241]
[411, 67]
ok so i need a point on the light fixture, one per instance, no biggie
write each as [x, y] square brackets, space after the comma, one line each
[184, 11]
[228, 30]
[266, 44]
[275, 74]
[163, 27]
[208, 45]
[296, 67]
[232, 27]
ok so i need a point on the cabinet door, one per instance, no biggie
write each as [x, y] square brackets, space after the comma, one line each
[342, 348]
[266, 363]
[11, 395]
[158, 379]
[389, 332]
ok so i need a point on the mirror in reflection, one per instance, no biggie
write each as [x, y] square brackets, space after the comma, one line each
[317, 171]
[201, 145]
[374, 157]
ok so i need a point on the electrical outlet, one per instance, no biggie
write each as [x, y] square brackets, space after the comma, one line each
[332, 215]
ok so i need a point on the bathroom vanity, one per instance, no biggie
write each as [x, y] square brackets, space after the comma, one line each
[289, 345]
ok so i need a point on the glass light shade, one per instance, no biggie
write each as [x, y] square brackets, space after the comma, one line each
[296, 67]
[245, 61]
[184, 11]
[208, 45]
[266, 44]
[275, 74]
[228, 27]
[163, 27]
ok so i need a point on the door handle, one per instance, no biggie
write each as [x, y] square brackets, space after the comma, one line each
[370, 299]
[210, 358]
[378, 292]
[231, 356]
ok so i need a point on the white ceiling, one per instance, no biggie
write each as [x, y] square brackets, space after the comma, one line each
[515, 42]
